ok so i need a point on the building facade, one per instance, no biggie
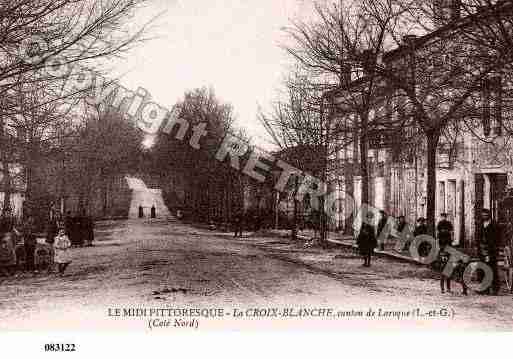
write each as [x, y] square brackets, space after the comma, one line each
[474, 163]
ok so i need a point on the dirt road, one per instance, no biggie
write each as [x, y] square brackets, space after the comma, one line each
[161, 264]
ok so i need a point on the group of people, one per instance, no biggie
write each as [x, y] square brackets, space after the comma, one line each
[153, 212]
[79, 229]
[19, 246]
[487, 244]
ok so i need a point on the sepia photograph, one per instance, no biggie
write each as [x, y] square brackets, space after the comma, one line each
[172, 167]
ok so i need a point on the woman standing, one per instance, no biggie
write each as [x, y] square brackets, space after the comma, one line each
[62, 244]
[367, 240]
[7, 254]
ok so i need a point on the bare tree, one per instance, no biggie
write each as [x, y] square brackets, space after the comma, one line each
[438, 76]
[338, 49]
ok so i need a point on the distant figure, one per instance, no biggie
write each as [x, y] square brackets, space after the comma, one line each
[51, 230]
[6, 221]
[421, 227]
[402, 226]
[141, 212]
[444, 229]
[367, 240]
[489, 239]
[444, 232]
[89, 231]
[29, 242]
[68, 223]
[238, 221]
[7, 255]
[381, 227]
[153, 212]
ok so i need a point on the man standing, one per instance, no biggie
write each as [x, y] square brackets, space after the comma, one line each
[367, 239]
[238, 223]
[30, 242]
[445, 230]
[401, 229]
[381, 228]
[487, 247]
[421, 227]
[6, 221]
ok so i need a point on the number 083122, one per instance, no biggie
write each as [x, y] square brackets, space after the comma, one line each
[60, 348]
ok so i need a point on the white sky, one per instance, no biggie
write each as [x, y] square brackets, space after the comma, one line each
[231, 45]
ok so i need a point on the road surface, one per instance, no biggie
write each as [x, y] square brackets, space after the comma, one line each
[162, 264]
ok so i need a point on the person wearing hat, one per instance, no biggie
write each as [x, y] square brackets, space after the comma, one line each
[367, 239]
[488, 240]
[421, 227]
[444, 230]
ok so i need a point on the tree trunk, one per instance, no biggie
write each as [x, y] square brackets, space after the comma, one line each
[105, 190]
[364, 166]
[349, 195]
[432, 145]
[6, 184]
[296, 205]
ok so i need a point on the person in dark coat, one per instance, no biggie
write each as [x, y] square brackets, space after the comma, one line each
[83, 229]
[153, 212]
[401, 226]
[68, 223]
[421, 227]
[381, 228]
[51, 230]
[29, 242]
[89, 224]
[141, 212]
[489, 236]
[367, 240]
[7, 254]
[237, 223]
[6, 221]
[444, 231]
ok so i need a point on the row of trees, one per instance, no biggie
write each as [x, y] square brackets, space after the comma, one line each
[186, 167]
[385, 65]
[48, 128]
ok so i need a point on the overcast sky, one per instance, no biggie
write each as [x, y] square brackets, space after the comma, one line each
[231, 45]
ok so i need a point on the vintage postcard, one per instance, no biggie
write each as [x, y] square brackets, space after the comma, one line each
[172, 166]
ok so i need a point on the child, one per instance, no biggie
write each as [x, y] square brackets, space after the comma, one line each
[457, 273]
[62, 253]
[444, 259]
[7, 254]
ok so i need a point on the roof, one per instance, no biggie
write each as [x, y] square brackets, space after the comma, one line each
[419, 41]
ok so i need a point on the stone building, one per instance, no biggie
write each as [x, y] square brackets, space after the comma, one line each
[474, 166]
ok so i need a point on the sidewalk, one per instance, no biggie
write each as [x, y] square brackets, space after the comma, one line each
[348, 241]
